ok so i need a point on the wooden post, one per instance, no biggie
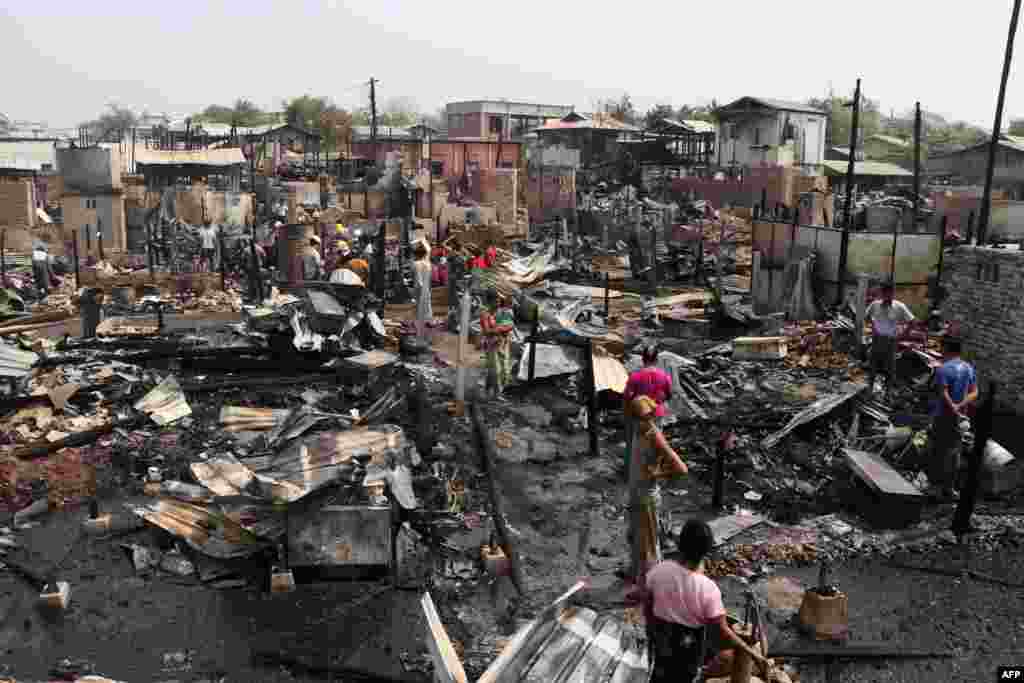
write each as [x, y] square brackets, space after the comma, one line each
[3, 258]
[862, 304]
[755, 278]
[982, 434]
[460, 379]
[844, 247]
[223, 262]
[654, 261]
[607, 298]
[490, 459]
[592, 426]
[533, 342]
[74, 250]
[764, 200]
[149, 248]
[99, 237]
[970, 229]
[942, 251]
[381, 279]
[917, 164]
[986, 197]
[257, 279]
[323, 244]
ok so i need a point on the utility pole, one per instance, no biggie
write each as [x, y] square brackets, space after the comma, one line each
[373, 117]
[848, 204]
[986, 197]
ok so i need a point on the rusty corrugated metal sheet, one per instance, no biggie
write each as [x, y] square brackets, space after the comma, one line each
[212, 533]
[230, 156]
[571, 645]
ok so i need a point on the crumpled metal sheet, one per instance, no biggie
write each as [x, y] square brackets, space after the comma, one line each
[824, 405]
[224, 475]
[166, 403]
[552, 361]
[326, 457]
[205, 530]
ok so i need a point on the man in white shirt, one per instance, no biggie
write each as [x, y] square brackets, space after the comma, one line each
[887, 316]
[208, 239]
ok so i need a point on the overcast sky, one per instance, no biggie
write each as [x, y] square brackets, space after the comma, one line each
[63, 60]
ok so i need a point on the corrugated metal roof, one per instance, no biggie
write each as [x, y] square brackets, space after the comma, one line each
[597, 121]
[867, 168]
[28, 155]
[783, 105]
[230, 156]
[565, 644]
[894, 141]
[573, 644]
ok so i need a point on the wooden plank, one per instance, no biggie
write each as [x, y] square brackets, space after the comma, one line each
[877, 474]
[447, 667]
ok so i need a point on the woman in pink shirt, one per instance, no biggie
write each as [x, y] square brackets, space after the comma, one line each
[652, 382]
[680, 602]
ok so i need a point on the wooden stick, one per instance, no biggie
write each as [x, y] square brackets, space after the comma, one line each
[489, 457]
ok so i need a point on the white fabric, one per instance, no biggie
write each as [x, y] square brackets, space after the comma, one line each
[886, 318]
[39, 255]
[344, 276]
[209, 236]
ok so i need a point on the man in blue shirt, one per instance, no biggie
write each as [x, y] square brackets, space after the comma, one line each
[957, 386]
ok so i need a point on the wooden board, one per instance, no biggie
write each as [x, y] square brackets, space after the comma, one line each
[877, 474]
[447, 667]
[372, 360]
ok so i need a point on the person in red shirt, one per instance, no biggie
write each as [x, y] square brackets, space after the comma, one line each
[650, 381]
[491, 256]
[478, 262]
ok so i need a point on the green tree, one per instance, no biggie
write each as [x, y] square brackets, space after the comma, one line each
[111, 124]
[1016, 127]
[398, 112]
[698, 112]
[306, 111]
[336, 128]
[242, 113]
[840, 119]
[655, 114]
[622, 110]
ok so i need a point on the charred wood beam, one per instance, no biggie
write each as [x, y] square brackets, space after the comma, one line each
[857, 651]
[490, 458]
[178, 352]
[77, 439]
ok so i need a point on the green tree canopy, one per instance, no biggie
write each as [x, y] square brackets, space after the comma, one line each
[242, 113]
[656, 113]
[110, 124]
[1016, 127]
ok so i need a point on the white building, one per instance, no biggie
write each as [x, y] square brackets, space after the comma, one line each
[756, 130]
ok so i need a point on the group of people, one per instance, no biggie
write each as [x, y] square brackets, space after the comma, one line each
[684, 612]
[956, 387]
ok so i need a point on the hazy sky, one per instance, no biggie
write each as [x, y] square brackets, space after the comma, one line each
[63, 60]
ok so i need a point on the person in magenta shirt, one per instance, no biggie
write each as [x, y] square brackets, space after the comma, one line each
[650, 381]
[680, 604]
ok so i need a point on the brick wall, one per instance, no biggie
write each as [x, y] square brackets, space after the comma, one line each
[16, 210]
[551, 194]
[985, 288]
[76, 216]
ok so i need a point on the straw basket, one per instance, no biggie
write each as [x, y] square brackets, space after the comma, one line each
[825, 617]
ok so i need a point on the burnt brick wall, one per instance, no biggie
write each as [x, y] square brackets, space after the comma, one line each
[16, 207]
[985, 299]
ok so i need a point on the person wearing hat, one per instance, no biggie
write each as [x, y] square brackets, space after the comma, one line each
[652, 460]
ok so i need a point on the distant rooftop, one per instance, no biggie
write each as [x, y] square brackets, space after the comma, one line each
[781, 105]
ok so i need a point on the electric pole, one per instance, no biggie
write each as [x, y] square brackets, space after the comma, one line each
[986, 197]
[373, 117]
[844, 247]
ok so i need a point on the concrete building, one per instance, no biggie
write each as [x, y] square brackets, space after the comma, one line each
[967, 166]
[93, 198]
[598, 137]
[493, 119]
[755, 131]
